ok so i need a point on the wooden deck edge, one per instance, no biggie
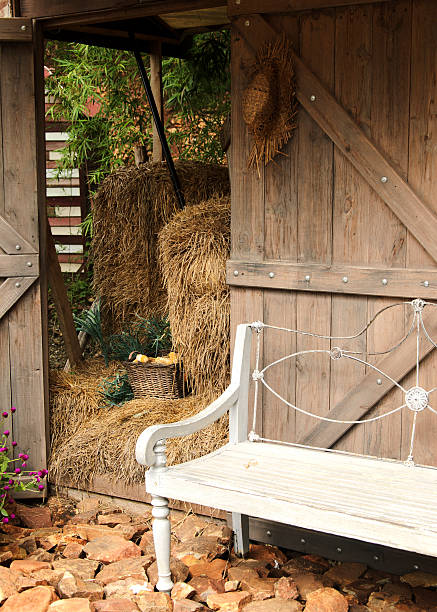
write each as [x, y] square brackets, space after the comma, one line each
[132, 496]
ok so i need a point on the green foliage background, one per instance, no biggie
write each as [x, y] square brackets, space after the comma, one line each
[196, 94]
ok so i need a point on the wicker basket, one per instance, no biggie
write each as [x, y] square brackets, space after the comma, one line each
[155, 380]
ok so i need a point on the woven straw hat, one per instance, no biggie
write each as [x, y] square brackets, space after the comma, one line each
[269, 101]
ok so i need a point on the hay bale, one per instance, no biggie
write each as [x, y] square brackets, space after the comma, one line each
[193, 249]
[130, 208]
[105, 443]
[74, 398]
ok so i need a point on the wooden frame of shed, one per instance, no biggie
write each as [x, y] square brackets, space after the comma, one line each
[341, 224]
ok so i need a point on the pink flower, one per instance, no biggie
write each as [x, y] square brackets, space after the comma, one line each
[24, 465]
[13, 409]
[17, 470]
[6, 432]
[6, 520]
[41, 487]
[14, 443]
[12, 516]
[5, 414]
[7, 488]
[11, 482]
[25, 457]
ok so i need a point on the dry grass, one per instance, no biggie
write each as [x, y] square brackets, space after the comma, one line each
[194, 247]
[130, 208]
[105, 443]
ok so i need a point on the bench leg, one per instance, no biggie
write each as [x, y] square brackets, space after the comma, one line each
[240, 527]
[161, 538]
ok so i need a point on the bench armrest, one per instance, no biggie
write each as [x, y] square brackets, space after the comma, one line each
[145, 444]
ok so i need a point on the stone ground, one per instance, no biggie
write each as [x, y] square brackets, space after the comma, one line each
[90, 557]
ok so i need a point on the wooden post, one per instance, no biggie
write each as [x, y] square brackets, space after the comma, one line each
[141, 156]
[156, 84]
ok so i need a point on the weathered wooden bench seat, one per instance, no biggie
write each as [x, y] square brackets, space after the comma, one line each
[381, 501]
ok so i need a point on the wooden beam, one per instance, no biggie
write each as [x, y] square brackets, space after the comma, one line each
[339, 278]
[11, 290]
[353, 143]
[66, 12]
[19, 265]
[11, 241]
[248, 7]
[63, 308]
[357, 403]
[156, 85]
[15, 29]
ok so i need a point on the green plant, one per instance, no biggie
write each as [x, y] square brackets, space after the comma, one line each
[116, 390]
[196, 92]
[90, 322]
[13, 476]
[147, 336]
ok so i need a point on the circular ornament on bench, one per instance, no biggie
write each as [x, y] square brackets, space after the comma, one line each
[269, 102]
[416, 399]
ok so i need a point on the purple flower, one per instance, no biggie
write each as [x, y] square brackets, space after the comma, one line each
[12, 516]
[14, 443]
[6, 432]
[24, 465]
[11, 482]
[38, 479]
[5, 414]
[7, 488]
[25, 457]
[10, 500]
[41, 487]
[13, 409]
[3, 449]
[20, 455]
[6, 520]
[17, 470]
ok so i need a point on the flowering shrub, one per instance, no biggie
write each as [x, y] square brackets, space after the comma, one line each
[12, 472]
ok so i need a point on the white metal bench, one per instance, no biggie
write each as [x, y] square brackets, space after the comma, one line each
[386, 502]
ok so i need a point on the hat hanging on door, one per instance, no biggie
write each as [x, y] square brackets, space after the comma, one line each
[269, 101]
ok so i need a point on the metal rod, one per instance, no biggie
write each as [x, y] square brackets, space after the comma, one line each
[158, 123]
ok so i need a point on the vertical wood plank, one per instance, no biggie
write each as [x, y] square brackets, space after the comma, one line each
[314, 221]
[352, 197]
[422, 175]
[389, 130]
[21, 210]
[156, 85]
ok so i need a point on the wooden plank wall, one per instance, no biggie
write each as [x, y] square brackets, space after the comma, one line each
[379, 61]
[22, 353]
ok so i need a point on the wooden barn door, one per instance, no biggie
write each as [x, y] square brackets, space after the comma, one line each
[345, 222]
[22, 352]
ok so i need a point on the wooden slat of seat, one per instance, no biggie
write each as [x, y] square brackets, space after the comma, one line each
[385, 502]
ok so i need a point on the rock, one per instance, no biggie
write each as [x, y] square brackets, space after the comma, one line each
[111, 548]
[425, 598]
[231, 585]
[84, 517]
[47, 577]
[27, 566]
[87, 504]
[420, 579]
[34, 517]
[83, 568]
[306, 563]
[211, 569]
[126, 568]
[261, 567]
[360, 589]
[41, 555]
[205, 587]
[382, 602]
[274, 605]
[228, 602]
[77, 604]
[266, 552]
[187, 605]
[116, 518]
[115, 605]
[73, 586]
[286, 588]
[326, 600]
[73, 550]
[154, 602]
[37, 599]
[345, 573]
[218, 530]
[12, 551]
[182, 590]
[397, 588]
[259, 588]
[127, 588]
[28, 543]
[179, 571]
[146, 543]
[7, 583]
[307, 583]
[189, 528]
[202, 547]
